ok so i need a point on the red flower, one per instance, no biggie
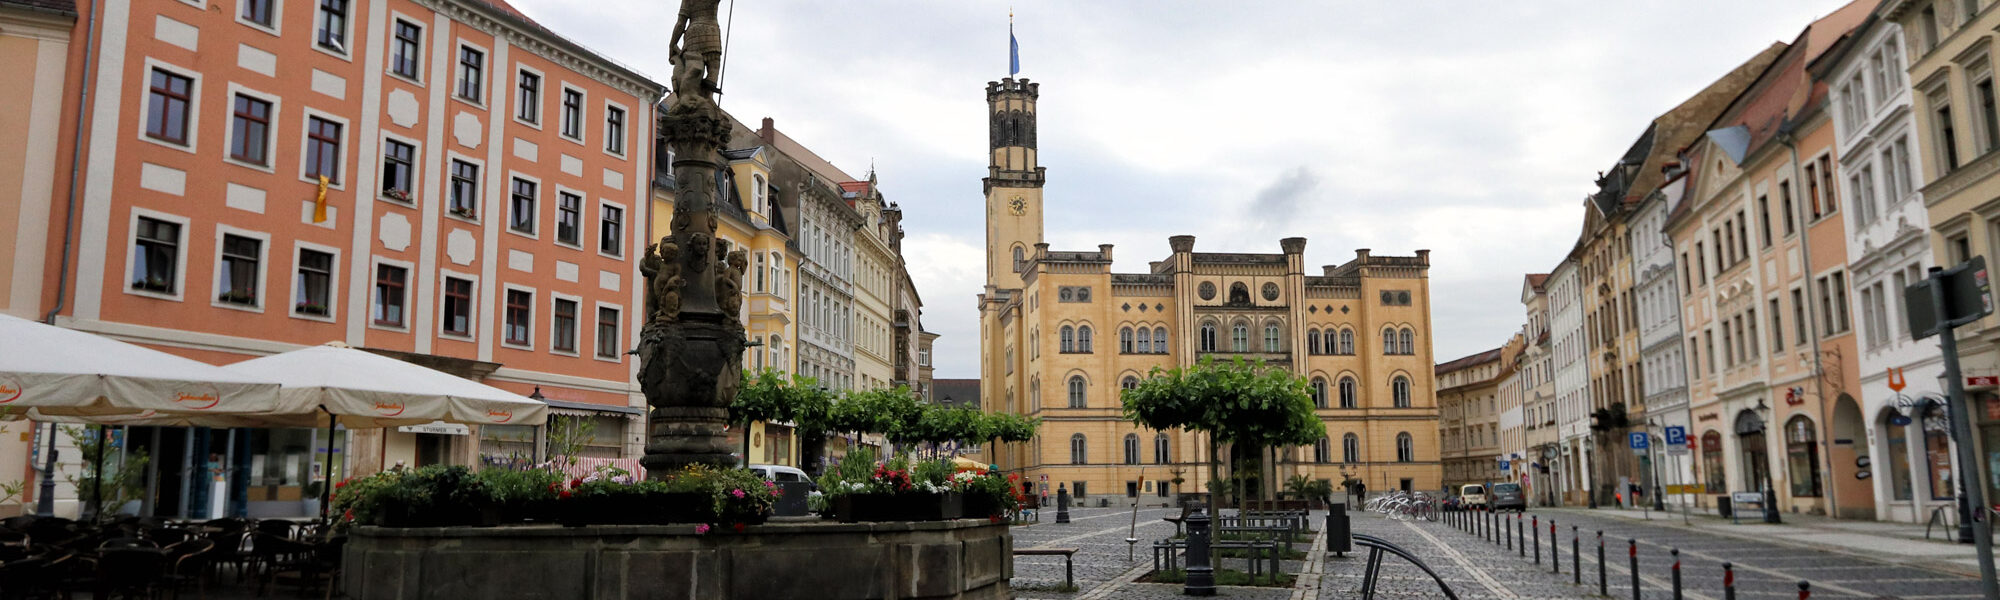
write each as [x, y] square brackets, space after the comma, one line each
[993, 518]
[342, 484]
[349, 515]
[575, 483]
[563, 494]
[738, 527]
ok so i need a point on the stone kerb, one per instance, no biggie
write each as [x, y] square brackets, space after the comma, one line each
[970, 559]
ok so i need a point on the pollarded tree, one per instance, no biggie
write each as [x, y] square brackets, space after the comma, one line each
[1236, 402]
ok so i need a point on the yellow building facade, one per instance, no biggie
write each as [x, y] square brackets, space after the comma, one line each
[1061, 335]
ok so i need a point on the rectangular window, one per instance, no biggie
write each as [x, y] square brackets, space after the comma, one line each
[408, 49]
[1929, 19]
[1700, 263]
[572, 113]
[333, 25]
[1812, 191]
[1742, 236]
[1785, 207]
[569, 217]
[240, 267]
[614, 130]
[167, 107]
[1694, 357]
[323, 149]
[611, 232]
[398, 169]
[520, 310]
[1708, 342]
[1947, 138]
[1799, 324]
[312, 286]
[522, 218]
[1833, 299]
[390, 282]
[156, 256]
[563, 326]
[1750, 339]
[255, 11]
[1777, 327]
[250, 134]
[1899, 167]
[1764, 220]
[528, 97]
[1989, 120]
[457, 306]
[464, 189]
[471, 72]
[607, 333]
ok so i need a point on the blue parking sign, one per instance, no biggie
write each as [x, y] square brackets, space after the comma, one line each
[1639, 441]
[1677, 435]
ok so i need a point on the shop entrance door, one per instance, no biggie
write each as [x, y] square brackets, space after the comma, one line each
[432, 449]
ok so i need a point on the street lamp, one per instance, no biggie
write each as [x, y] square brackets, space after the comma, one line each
[1770, 499]
[1653, 460]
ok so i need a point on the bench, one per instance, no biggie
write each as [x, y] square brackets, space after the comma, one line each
[1069, 561]
[1186, 509]
[1257, 552]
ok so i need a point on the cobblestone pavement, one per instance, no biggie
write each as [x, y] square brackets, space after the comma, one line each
[1102, 570]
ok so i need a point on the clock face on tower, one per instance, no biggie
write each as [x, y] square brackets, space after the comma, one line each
[1018, 206]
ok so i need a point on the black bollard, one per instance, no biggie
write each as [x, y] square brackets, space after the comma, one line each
[1508, 532]
[1535, 523]
[1062, 504]
[1805, 591]
[1602, 588]
[1555, 549]
[1677, 573]
[1632, 549]
[1575, 556]
[1200, 573]
[1728, 581]
[1520, 536]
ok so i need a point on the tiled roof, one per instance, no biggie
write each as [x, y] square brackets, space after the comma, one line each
[955, 392]
[67, 7]
[1535, 280]
[854, 186]
[1470, 361]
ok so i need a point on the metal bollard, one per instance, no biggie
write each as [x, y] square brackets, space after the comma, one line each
[1805, 590]
[1555, 549]
[1200, 572]
[1535, 523]
[1507, 532]
[1520, 537]
[1728, 581]
[1632, 549]
[1602, 588]
[1575, 556]
[1677, 572]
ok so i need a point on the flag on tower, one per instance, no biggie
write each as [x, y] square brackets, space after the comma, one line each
[1013, 48]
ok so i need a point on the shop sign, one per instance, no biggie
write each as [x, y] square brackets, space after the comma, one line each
[1746, 497]
[1993, 408]
[1982, 380]
[437, 429]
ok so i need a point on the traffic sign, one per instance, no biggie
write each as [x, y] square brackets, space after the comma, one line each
[1639, 441]
[1676, 435]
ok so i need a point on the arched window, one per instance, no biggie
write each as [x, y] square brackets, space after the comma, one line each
[1020, 262]
[1399, 390]
[1239, 337]
[1346, 342]
[1131, 448]
[1208, 336]
[1068, 339]
[1145, 341]
[1239, 293]
[1408, 341]
[1076, 389]
[1389, 340]
[1896, 439]
[1035, 393]
[1711, 460]
[1350, 448]
[1319, 392]
[1078, 452]
[760, 273]
[1159, 340]
[1312, 342]
[1405, 449]
[1322, 451]
[1270, 337]
[1348, 391]
[1129, 383]
[1937, 450]
[1802, 457]
[1160, 449]
[1124, 340]
[1083, 339]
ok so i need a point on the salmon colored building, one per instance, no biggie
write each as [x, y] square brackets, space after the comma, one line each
[442, 181]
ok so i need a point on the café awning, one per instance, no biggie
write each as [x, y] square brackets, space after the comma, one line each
[67, 375]
[367, 390]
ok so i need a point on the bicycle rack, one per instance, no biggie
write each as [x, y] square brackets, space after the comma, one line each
[1376, 546]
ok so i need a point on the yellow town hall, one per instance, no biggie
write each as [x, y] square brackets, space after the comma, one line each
[1061, 335]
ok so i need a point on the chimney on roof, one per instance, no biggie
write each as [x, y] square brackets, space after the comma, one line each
[1425, 256]
[1104, 249]
[769, 132]
[1361, 254]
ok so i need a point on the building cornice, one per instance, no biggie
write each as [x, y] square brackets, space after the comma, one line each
[529, 36]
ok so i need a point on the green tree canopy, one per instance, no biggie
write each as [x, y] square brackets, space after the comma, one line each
[1237, 401]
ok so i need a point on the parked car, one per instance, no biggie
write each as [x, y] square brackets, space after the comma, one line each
[780, 473]
[1472, 496]
[1505, 496]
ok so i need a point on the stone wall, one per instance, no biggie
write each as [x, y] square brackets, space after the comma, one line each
[965, 559]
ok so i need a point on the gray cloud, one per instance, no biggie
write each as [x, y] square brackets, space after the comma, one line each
[1277, 204]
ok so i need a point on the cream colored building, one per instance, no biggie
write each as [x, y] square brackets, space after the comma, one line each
[1468, 401]
[875, 281]
[1061, 334]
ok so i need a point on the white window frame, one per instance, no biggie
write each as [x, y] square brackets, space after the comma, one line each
[263, 269]
[625, 138]
[409, 293]
[577, 346]
[501, 302]
[472, 322]
[180, 255]
[582, 117]
[507, 201]
[416, 173]
[346, 37]
[619, 343]
[423, 47]
[277, 18]
[194, 105]
[486, 63]
[346, 138]
[478, 188]
[270, 130]
[555, 217]
[332, 282]
[624, 229]
[541, 97]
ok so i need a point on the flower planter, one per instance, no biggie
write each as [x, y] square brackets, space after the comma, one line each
[899, 507]
[980, 506]
[638, 509]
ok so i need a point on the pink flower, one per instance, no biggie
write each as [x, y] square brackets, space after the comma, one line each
[701, 529]
[776, 493]
[737, 493]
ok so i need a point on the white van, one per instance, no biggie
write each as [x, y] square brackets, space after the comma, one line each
[780, 473]
[1472, 496]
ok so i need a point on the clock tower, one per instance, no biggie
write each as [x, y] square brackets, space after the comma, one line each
[1013, 181]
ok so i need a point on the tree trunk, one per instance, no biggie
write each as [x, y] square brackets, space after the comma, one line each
[812, 451]
[1214, 475]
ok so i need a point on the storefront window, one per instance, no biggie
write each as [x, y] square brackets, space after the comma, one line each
[777, 445]
[291, 464]
[1756, 456]
[1898, 448]
[1801, 457]
[1989, 434]
[1711, 463]
[511, 446]
[1937, 451]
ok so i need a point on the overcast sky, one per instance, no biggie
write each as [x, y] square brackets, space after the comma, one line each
[1470, 128]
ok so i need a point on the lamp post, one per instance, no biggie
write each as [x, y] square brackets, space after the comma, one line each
[1653, 460]
[1770, 499]
[45, 503]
